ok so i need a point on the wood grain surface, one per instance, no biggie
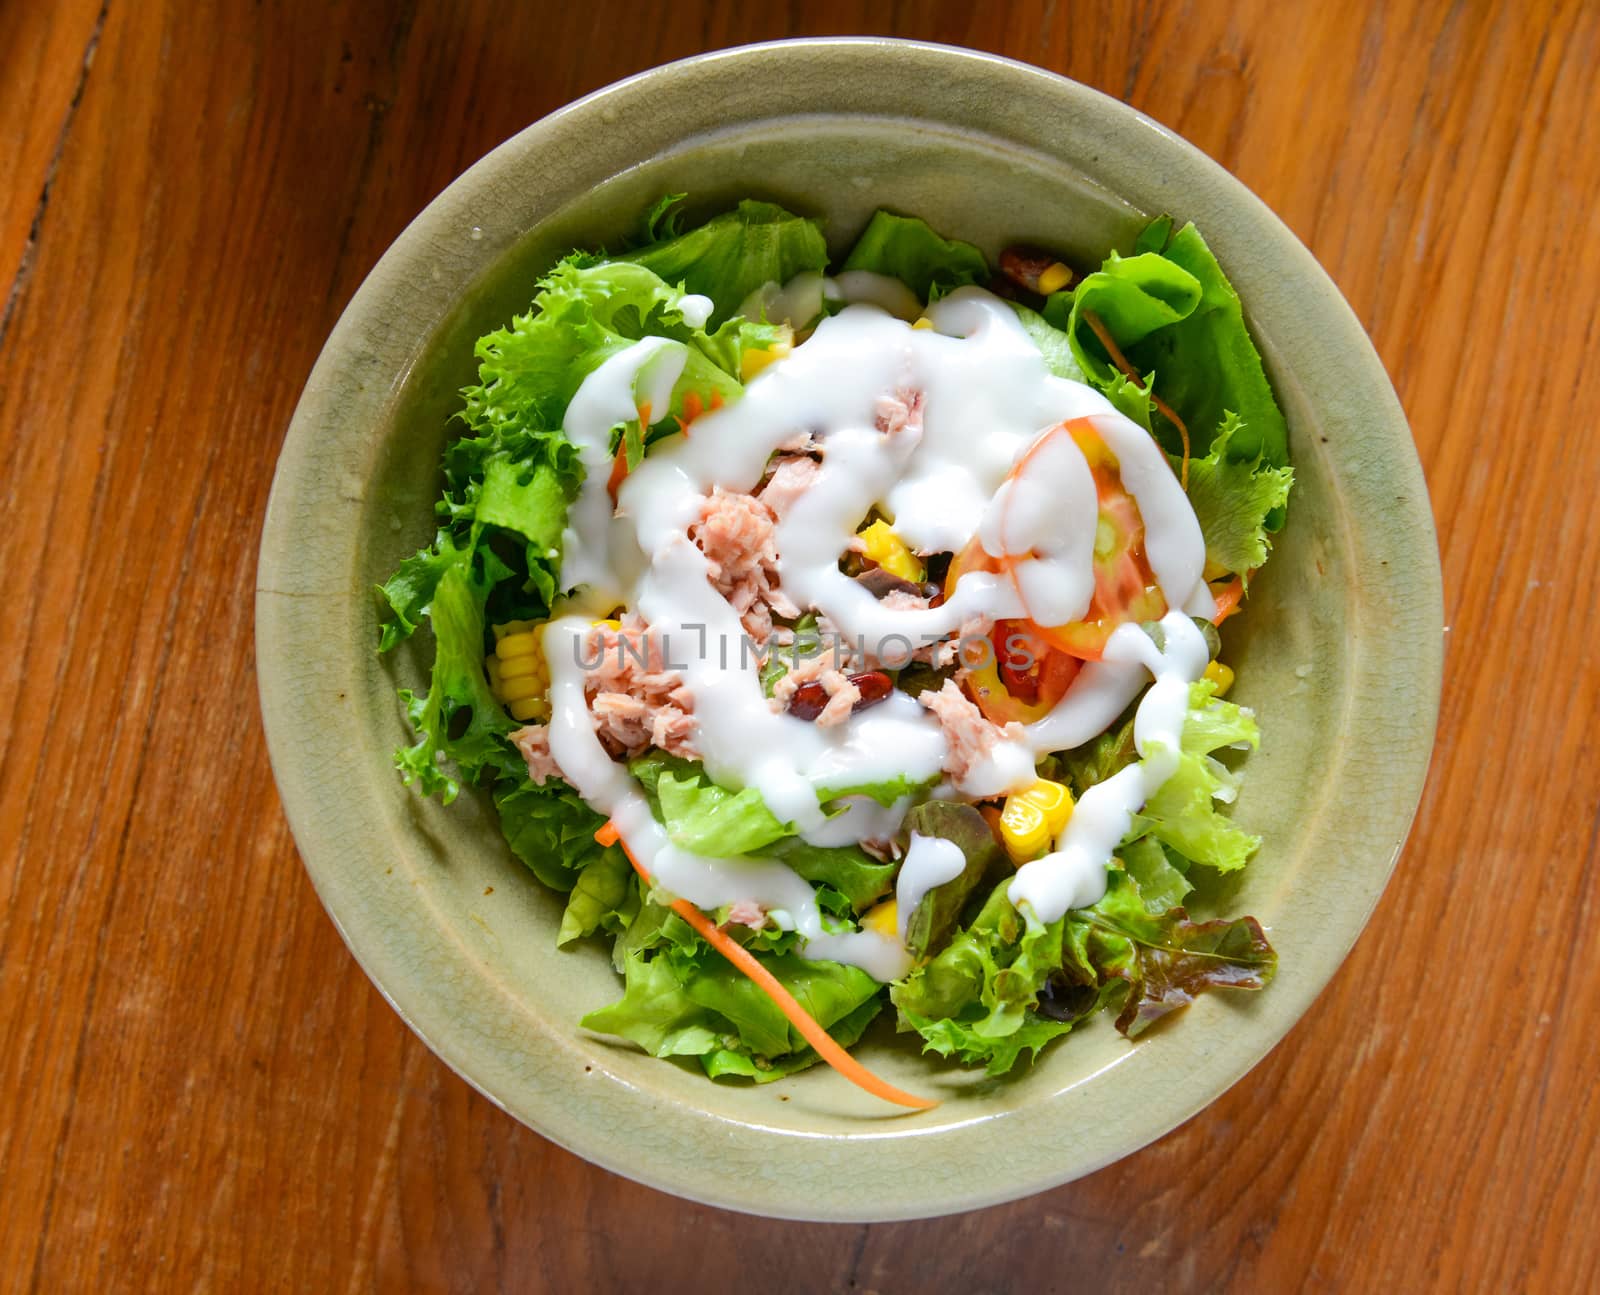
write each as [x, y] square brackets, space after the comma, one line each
[198, 1087]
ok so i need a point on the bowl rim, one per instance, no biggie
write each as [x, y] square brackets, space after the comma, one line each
[308, 806]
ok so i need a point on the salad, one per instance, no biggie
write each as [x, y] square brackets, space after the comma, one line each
[841, 638]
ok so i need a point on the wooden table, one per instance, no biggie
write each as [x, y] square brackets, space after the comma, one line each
[198, 1088]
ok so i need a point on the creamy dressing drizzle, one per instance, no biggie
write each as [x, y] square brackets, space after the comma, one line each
[1073, 875]
[986, 397]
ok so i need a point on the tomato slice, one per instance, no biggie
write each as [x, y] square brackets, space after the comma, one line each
[1021, 677]
[1125, 588]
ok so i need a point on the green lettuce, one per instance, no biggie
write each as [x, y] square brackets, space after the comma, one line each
[692, 1002]
[907, 249]
[604, 898]
[458, 718]
[1236, 500]
[929, 925]
[712, 821]
[730, 256]
[977, 1000]
[1174, 314]
[551, 830]
[1182, 814]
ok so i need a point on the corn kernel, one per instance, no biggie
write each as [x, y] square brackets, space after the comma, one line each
[530, 708]
[889, 551]
[521, 667]
[924, 322]
[884, 918]
[514, 627]
[521, 689]
[1220, 676]
[1053, 800]
[1054, 278]
[613, 625]
[1023, 830]
[752, 362]
[517, 645]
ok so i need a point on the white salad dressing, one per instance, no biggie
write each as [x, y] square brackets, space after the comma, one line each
[930, 861]
[985, 397]
[1073, 875]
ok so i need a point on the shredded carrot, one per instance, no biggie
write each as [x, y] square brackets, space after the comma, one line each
[716, 400]
[1097, 326]
[1227, 599]
[802, 1020]
[619, 465]
[693, 407]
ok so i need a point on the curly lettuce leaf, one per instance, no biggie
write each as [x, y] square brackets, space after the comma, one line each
[858, 878]
[730, 256]
[929, 925]
[605, 897]
[458, 718]
[907, 249]
[712, 821]
[1163, 959]
[552, 831]
[1183, 814]
[978, 999]
[1236, 501]
[676, 1003]
[584, 314]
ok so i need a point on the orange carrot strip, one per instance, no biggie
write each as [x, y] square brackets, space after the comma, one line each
[1228, 599]
[1098, 328]
[802, 1020]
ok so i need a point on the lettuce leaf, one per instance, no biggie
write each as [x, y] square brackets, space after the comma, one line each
[848, 869]
[928, 927]
[1235, 500]
[718, 823]
[907, 249]
[977, 1000]
[605, 898]
[458, 718]
[680, 1003]
[710, 820]
[732, 255]
[1183, 812]
[583, 315]
[552, 831]
[1174, 314]
[1163, 959]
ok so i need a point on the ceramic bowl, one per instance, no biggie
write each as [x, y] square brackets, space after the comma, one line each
[1340, 652]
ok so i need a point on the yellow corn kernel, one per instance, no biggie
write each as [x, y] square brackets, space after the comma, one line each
[889, 551]
[884, 918]
[611, 624]
[514, 627]
[1055, 277]
[1220, 676]
[530, 708]
[924, 322]
[1023, 830]
[520, 667]
[1053, 800]
[525, 644]
[521, 689]
[752, 362]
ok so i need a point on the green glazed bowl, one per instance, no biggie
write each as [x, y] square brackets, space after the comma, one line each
[1340, 652]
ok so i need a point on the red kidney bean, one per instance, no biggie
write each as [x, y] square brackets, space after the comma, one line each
[810, 698]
